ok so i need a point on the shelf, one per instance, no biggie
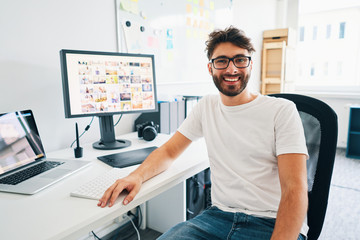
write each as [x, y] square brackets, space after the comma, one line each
[353, 156]
[272, 88]
[353, 148]
[354, 122]
[272, 80]
[353, 144]
[273, 60]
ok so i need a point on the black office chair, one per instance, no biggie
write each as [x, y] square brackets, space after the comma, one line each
[321, 130]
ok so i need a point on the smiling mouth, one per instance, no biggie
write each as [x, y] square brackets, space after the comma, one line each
[232, 79]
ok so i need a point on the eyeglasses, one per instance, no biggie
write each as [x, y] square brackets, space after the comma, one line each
[223, 62]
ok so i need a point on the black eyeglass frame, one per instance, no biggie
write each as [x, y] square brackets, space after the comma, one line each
[230, 59]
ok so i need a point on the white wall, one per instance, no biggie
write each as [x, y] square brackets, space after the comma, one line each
[32, 33]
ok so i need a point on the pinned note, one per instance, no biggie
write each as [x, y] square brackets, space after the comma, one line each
[195, 9]
[188, 33]
[170, 56]
[131, 6]
[212, 5]
[169, 33]
[188, 21]
[207, 14]
[188, 8]
[169, 44]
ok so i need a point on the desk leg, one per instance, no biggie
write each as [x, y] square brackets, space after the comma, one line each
[144, 216]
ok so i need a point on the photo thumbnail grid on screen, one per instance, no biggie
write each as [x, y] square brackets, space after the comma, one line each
[111, 84]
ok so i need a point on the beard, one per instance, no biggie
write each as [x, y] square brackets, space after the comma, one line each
[231, 90]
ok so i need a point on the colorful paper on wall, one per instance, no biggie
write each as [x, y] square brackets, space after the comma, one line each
[188, 8]
[170, 56]
[131, 6]
[212, 5]
[169, 44]
[199, 18]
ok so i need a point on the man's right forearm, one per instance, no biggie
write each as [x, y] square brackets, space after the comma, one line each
[157, 162]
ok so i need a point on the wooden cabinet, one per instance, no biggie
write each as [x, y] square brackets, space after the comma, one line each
[278, 61]
[353, 142]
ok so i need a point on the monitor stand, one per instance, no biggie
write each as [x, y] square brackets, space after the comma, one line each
[107, 131]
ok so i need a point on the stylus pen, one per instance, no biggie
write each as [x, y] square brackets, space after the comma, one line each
[77, 135]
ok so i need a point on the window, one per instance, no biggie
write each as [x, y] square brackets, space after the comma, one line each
[328, 31]
[301, 33]
[312, 70]
[342, 30]
[314, 33]
[330, 61]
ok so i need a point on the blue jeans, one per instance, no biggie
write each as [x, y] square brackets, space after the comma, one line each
[214, 224]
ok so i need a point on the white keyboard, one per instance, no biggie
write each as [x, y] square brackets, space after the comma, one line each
[95, 188]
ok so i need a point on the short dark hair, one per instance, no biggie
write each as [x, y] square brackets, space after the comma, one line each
[230, 34]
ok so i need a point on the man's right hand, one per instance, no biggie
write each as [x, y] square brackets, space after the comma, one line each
[158, 161]
[131, 183]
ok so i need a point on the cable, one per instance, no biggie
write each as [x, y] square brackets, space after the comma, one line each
[95, 235]
[138, 217]
[137, 231]
[129, 213]
[118, 120]
[86, 128]
[139, 221]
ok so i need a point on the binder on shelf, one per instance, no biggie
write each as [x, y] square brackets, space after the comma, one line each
[173, 121]
[164, 117]
[180, 112]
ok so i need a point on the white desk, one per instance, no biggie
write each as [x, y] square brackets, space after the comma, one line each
[53, 214]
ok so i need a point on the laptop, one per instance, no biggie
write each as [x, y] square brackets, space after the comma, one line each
[24, 167]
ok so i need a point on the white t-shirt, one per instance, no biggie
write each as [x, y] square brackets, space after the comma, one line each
[243, 143]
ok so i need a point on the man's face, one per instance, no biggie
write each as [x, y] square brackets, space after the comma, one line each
[232, 80]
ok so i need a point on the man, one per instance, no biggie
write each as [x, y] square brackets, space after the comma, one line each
[256, 149]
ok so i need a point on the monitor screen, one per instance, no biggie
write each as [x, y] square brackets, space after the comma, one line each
[106, 83]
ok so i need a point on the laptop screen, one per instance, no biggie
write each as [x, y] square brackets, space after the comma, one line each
[20, 142]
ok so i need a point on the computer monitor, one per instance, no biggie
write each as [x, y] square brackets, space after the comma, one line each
[103, 84]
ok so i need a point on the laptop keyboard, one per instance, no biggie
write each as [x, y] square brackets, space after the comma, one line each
[27, 173]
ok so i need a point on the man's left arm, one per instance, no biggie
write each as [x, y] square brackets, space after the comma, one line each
[294, 199]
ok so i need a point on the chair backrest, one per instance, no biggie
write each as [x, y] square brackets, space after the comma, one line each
[321, 130]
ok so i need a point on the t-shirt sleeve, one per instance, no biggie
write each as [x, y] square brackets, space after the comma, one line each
[289, 131]
[191, 126]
